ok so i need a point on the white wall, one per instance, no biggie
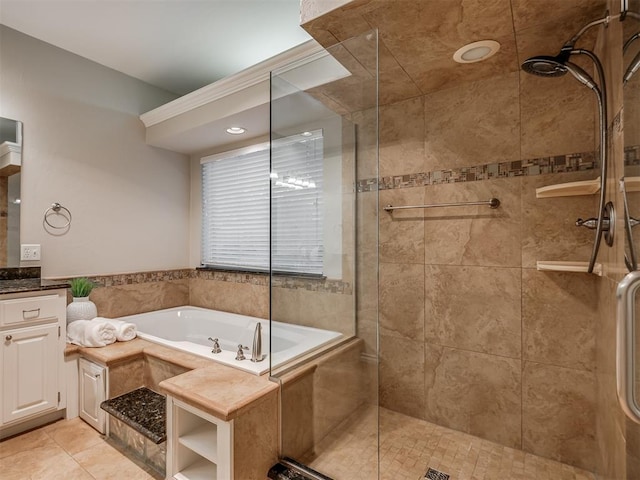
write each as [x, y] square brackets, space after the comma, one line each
[84, 147]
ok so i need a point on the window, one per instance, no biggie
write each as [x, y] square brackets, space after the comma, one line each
[235, 206]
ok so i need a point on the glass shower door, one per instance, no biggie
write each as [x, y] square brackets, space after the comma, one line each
[324, 265]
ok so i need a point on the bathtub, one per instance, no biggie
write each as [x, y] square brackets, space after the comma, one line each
[188, 329]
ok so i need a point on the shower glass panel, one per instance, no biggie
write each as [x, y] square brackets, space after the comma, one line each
[324, 256]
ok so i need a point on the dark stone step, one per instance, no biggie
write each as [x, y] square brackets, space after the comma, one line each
[143, 410]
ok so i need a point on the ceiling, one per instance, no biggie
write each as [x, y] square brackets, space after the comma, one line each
[178, 45]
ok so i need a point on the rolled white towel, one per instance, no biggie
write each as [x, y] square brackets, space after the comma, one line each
[125, 331]
[89, 333]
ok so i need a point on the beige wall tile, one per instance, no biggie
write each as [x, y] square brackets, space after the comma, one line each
[402, 300]
[339, 389]
[474, 392]
[297, 426]
[474, 235]
[156, 370]
[329, 311]
[473, 308]
[402, 137]
[559, 315]
[255, 437]
[610, 420]
[241, 298]
[125, 377]
[557, 115]
[558, 414]
[548, 224]
[463, 124]
[118, 301]
[402, 375]
[569, 15]
[402, 232]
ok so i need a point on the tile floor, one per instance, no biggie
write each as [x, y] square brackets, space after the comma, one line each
[409, 446]
[66, 449]
[71, 450]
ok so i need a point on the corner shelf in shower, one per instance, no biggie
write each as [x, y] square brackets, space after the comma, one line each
[632, 184]
[570, 189]
[578, 267]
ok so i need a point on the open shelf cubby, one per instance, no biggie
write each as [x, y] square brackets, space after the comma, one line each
[199, 444]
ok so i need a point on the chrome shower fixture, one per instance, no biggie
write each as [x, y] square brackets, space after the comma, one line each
[635, 63]
[545, 66]
[548, 66]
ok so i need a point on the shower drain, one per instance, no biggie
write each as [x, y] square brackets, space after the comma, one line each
[433, 474]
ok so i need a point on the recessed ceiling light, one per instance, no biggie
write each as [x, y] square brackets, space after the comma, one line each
[476, 51]
[236, 130]
[306, 134]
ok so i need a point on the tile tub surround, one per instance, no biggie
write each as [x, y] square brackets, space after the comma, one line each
[137, 446]
[227, 393]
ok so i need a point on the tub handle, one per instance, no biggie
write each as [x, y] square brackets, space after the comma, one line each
[216, 345]
[240, 354]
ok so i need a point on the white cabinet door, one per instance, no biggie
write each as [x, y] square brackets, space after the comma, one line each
[92, 394]
[30, 361]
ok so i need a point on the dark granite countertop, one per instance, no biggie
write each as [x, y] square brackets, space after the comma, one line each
[26, 279]
[30, 285]
[143, 410]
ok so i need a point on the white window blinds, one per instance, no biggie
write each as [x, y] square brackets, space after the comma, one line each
[235, 206]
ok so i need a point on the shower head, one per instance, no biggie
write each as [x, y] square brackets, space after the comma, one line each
[545, 66]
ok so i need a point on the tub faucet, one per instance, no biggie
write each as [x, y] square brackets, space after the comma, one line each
[240, 353]
[256, 351]
[216, 345]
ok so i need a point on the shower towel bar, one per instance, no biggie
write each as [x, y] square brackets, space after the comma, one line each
[492, 202]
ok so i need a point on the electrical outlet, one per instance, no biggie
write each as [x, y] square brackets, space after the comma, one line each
[29, 252]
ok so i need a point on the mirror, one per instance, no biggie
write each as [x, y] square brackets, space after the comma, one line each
[10, 166]
[631, 122]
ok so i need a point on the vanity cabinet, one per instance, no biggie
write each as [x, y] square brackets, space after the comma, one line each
[92, 391]
[199, 445]
[33, 331]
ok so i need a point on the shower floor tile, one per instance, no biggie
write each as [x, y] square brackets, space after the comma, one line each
[409, 447]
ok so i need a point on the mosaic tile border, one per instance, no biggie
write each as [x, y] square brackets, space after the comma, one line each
[262, 279]
[281, 281]
[572, 162]
[140, 277]
[632, 155]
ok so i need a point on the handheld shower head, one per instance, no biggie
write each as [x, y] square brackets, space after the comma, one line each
[632, 68]
[582, 76]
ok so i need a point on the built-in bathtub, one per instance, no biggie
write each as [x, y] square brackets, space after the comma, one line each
[188, 329]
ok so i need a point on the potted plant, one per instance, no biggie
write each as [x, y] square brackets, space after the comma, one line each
[81, 308]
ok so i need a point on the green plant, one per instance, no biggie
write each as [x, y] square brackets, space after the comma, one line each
[81, 287]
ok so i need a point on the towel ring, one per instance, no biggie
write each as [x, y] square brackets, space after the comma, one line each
[55, 208]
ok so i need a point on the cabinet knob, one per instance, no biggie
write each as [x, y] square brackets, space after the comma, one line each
[97, 375]
[8, 338]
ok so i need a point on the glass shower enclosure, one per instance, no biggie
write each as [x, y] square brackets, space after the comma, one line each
[324, 255]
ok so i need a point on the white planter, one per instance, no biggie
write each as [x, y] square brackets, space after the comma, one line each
[81, 308]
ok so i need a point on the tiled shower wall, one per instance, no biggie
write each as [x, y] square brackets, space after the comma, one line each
[472, 336]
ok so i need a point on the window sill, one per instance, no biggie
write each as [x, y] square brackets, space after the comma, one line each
[310, 276]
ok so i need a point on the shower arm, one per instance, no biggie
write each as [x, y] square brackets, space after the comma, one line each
[604, 20]
[602, 116]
